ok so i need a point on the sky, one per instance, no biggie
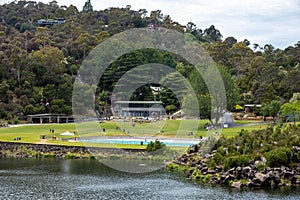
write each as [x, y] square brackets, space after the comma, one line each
[275, 22]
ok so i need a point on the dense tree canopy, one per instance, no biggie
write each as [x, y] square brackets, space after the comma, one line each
[38, 63]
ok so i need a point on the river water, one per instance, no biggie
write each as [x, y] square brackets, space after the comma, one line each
[89, 179]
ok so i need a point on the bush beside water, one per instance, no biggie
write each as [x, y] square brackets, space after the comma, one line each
[268, 157]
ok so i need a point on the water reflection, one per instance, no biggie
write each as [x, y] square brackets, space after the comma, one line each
[89, 179]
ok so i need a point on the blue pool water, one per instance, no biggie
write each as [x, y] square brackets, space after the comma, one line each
[175, 143]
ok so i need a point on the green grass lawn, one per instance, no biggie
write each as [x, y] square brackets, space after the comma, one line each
[164, 128]
[230, 132]
[32, 133]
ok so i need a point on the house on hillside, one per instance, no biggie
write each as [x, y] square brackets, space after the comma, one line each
[44, 22]
[151, 109]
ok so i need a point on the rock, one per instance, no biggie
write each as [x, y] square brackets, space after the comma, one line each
[228, 178]
[215, 180]
[237, 185]
[204, 169]
[222, 178]
[281, 184]
[277, 169]
[231, 171]
[283, 168]
[251, 162]
[214, 151]
[246, 169]
[208, 156]
[261, 177]
[257, 162]
[252, 184]
[218, 169]
[294, 179]
[238, 172]
[210, 171]
[288, 174]
[267, 181]
[256, 182]
[273, 183]
[274, 175]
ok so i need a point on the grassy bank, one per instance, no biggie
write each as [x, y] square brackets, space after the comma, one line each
[168, 128]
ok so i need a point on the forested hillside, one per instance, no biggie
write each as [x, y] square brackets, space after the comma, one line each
[39, 62]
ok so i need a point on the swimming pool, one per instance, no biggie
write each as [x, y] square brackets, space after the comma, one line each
[168, 142]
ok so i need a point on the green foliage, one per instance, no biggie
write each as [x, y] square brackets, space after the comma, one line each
[171, 108]
[218, 158]
[291, 110]
[235, 161]
[278, 157]
[154, 146]
[38, 63]
[270, 108]
[70, 155]
[87, 6]
[48, 155]
[176, 168]
[211, 164]
[197, 176]
[205, 100]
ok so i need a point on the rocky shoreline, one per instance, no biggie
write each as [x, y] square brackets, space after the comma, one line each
[195, 167]
[24, 150]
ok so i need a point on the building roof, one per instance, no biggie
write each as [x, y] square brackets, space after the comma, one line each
[253, 105]
[142, 109]
[46, 115]
[137, 102]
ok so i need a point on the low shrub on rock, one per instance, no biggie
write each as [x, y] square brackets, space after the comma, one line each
[235, 161]
[278, 157]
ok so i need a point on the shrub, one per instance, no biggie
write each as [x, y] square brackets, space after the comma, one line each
[176, 168]
[16, 121]
[218, 158]
[266, 148]
[278, 157]
[211, 163]
[235, 161]
[196, 175]
[36, 154]
[222, 150]
[70, 155]
[154, 146]
[48, 155]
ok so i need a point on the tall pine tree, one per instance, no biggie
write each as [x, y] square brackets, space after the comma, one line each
[87, 6]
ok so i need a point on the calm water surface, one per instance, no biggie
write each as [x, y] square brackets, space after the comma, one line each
[89, 179]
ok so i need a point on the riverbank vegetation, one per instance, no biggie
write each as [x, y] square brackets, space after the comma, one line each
[266, 157]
